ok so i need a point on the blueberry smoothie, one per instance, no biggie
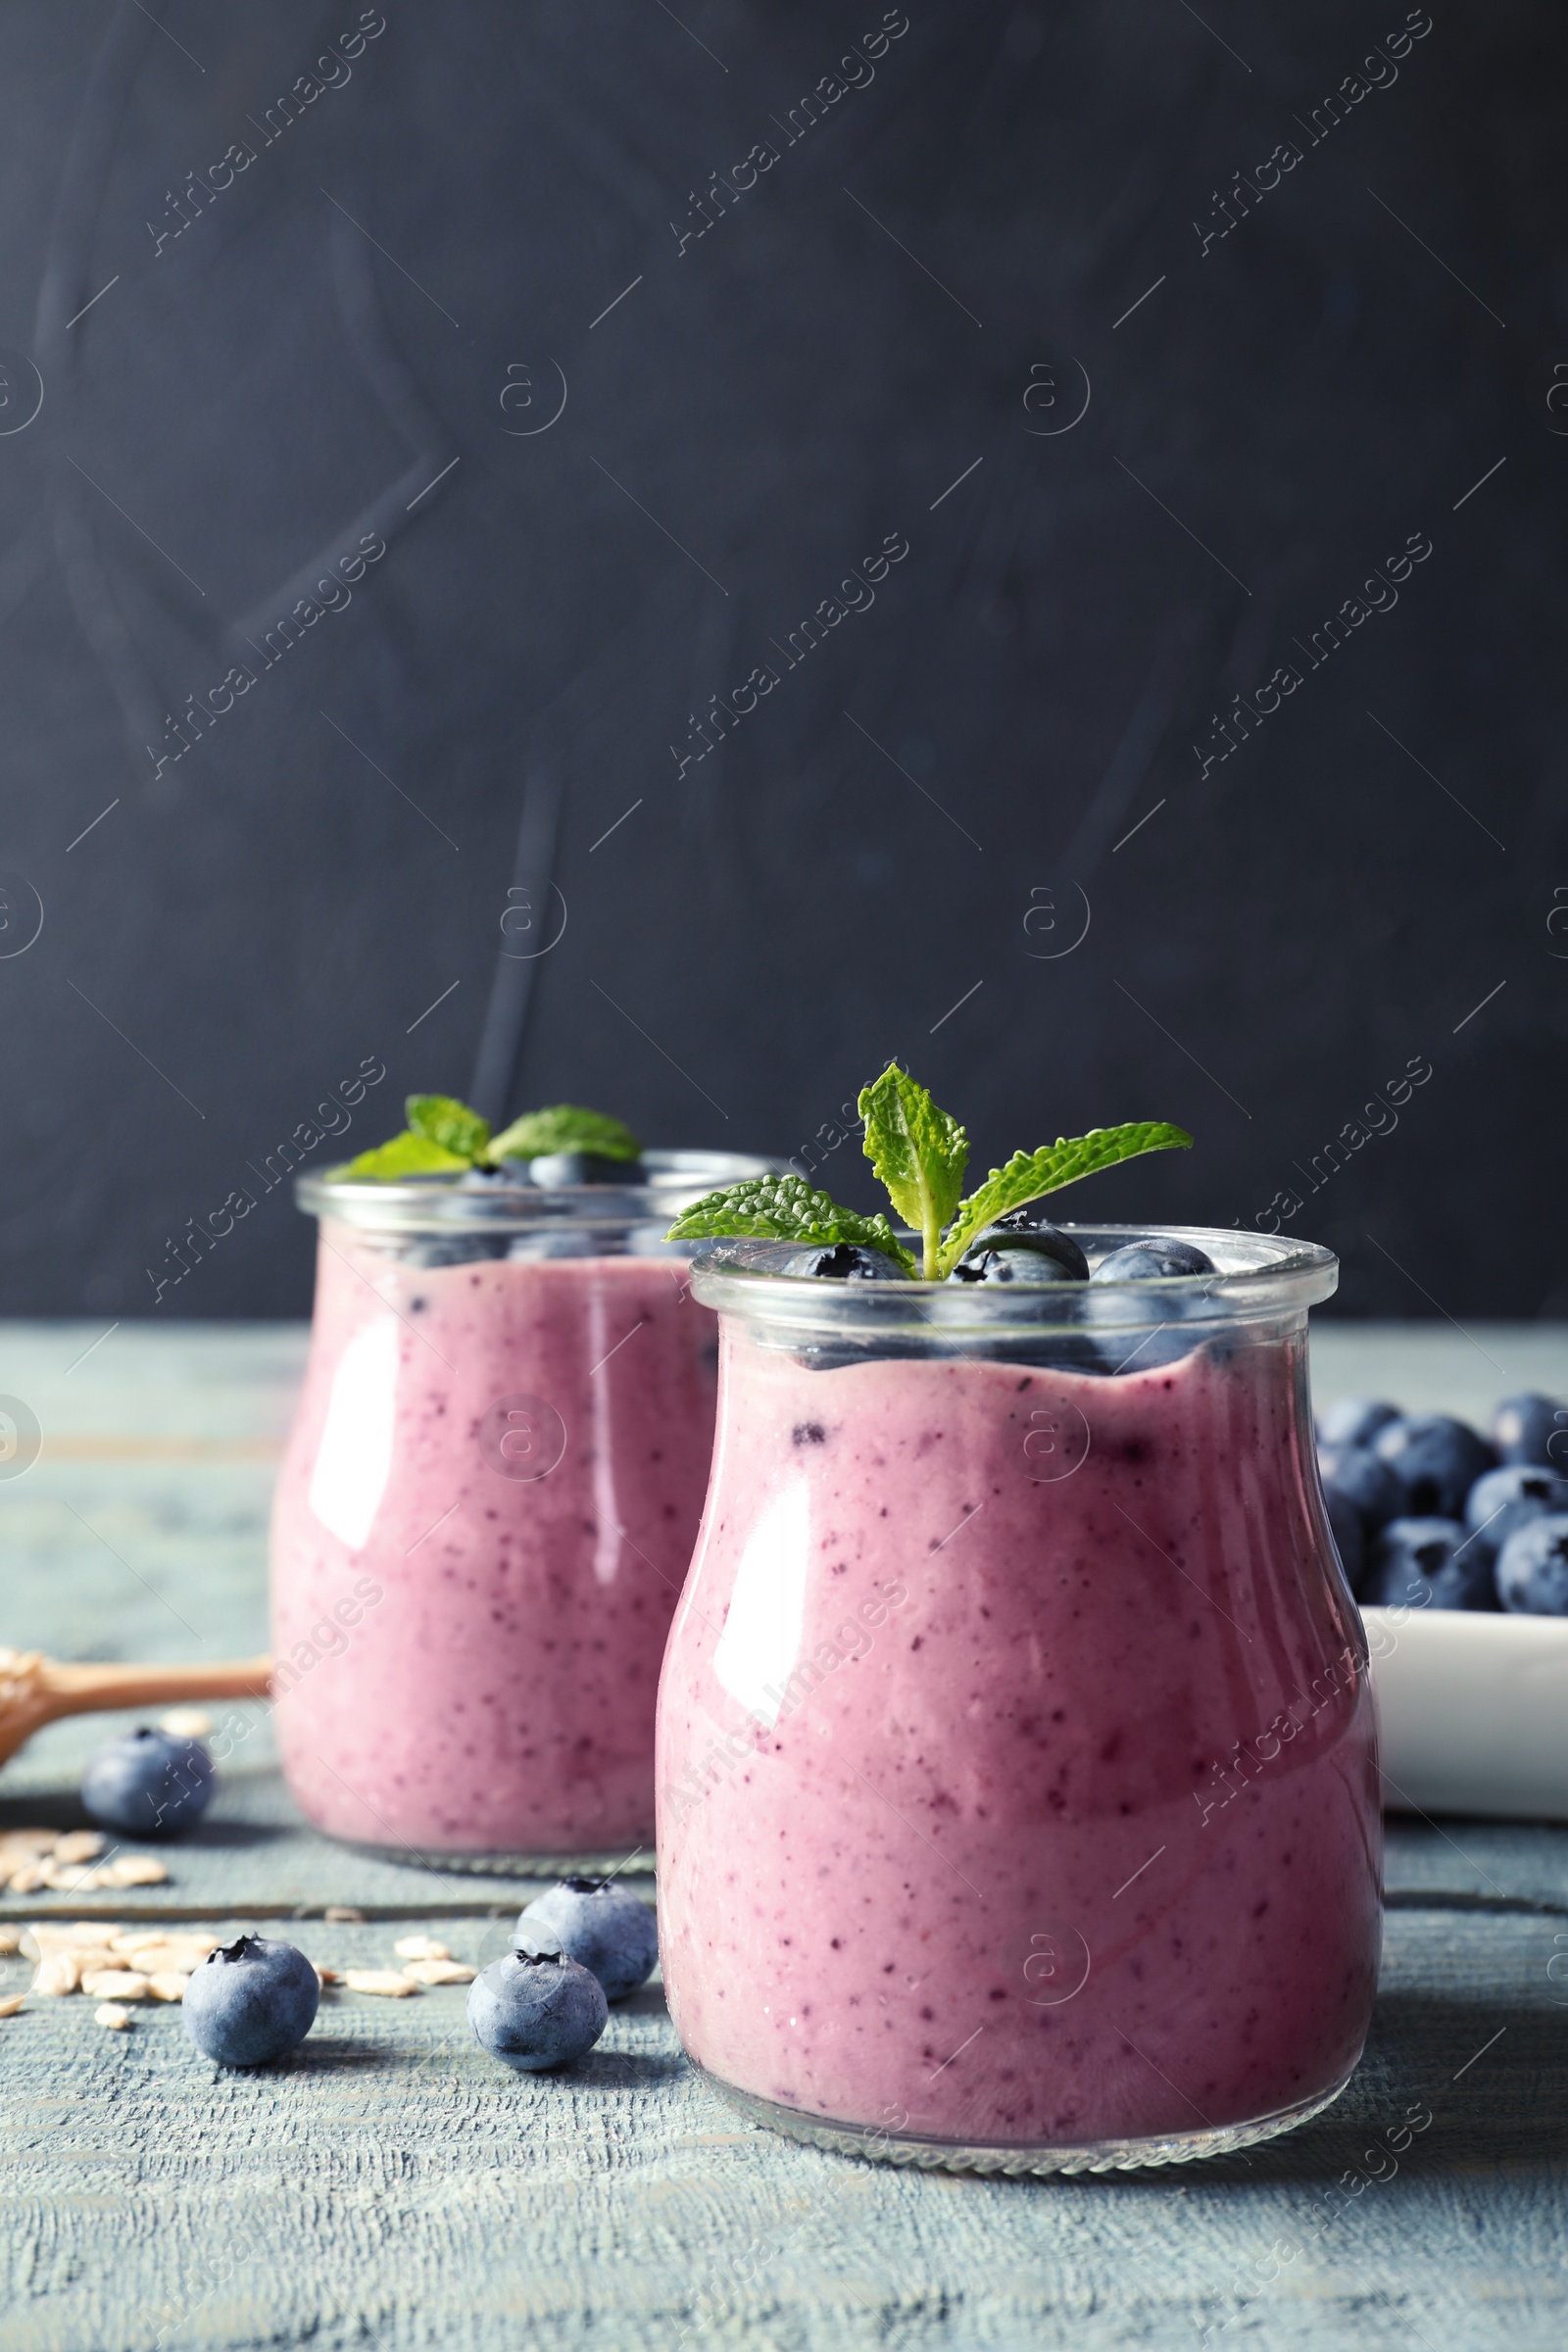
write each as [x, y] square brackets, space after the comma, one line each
[482, 1524]
[1016, 1759]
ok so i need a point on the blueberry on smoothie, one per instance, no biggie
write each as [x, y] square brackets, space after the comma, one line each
[603, 1927]
[1033, 1229]
[1421, 1563]
[534, 2010]
[1012, 1264]
[1532, 1429]
[1356, 1420]
[1056, 1255]
[250, 2001]
[1437, 1460]
[148, 1783]
[1533, 1567]
[1161, 1254]
[842, 1261]
[558, 1168]
[1363, 1481]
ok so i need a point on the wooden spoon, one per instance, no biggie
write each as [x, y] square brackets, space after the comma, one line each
[35, 1689]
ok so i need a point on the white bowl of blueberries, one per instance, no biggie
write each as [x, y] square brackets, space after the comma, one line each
[1457, 1547]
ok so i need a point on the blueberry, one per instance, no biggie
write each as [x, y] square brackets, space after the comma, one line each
[1504, 1499]
[251, 2001]
[148, 1783]
[843, 1261]
[537, 2009]
[1419, 1563]
[1533, 1567]
[1033, 1231]
[1148, 1260]
[1356, 1420]
[1349, 1533]
[555, 1169]
[1012, 1264]
[1532, 1429]
[460, 1250]
[602, 1926]
[1365, 1481]
[1436, 1461]
[1060, 1258]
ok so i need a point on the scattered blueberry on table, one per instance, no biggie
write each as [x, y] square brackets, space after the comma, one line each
[250, 2001]
[148, 1783]
[535, 2010]
[1424, 1515]
[605, 1928]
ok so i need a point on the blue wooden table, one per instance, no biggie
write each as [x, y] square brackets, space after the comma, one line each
[389, 2186]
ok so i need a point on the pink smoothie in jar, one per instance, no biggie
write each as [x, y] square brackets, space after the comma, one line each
[486, 1509]
[1019, 1800]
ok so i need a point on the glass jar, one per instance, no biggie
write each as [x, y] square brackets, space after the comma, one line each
[1017, 1783]
[486, 1508]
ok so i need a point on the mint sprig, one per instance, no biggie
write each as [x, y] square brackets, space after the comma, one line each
[919, 1152]
[442, 1120]
[407, 1155]
[564, 1127]
[784, 1208]
[443, 1135]
[1029, 1175]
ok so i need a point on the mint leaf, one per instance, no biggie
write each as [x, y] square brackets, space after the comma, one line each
[1029, 1174]
[442, 1120]
[918, 1153]
[407, 1155]
[564, 1127]
[784, 1208]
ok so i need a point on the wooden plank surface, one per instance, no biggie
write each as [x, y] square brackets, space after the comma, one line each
[389, 2186]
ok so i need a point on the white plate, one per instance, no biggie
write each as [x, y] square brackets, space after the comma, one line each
[1474, 1711]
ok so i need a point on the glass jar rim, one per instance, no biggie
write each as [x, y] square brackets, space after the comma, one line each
[1258, 1278]
[444, 1204]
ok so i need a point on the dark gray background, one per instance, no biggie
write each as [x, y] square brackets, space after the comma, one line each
[762, 933]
